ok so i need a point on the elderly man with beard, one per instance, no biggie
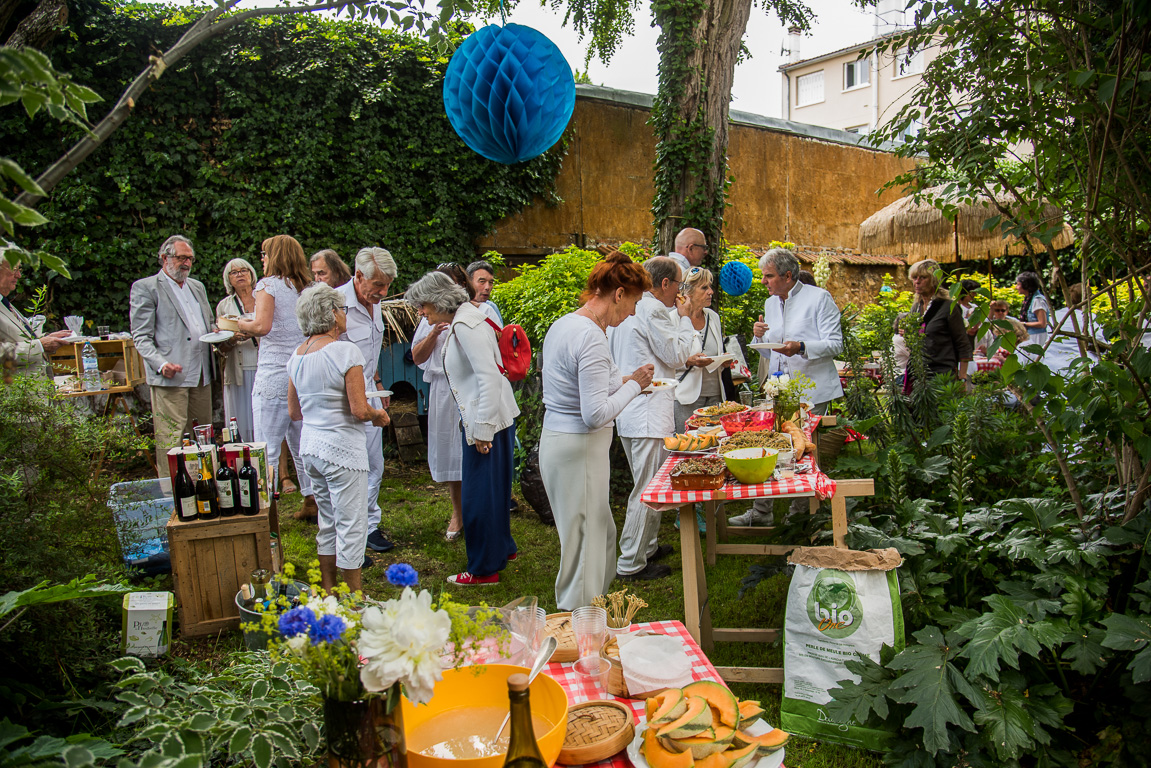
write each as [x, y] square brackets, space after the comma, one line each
[169, 312]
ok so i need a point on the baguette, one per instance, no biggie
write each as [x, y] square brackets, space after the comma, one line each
[801, 444]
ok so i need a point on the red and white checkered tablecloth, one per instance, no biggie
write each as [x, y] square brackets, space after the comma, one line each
[659, 491]
[578, 689]
[988, 364]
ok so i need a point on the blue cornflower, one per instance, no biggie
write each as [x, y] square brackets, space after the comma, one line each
[297, 621]
[402, 575]
[328, 629]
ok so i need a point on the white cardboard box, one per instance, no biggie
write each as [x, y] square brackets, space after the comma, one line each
[147, 624]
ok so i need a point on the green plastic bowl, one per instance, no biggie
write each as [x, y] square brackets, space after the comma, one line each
[751, 466]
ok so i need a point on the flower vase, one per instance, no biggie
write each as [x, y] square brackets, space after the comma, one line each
[363, 734]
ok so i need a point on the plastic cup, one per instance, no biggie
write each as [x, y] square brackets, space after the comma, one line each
[590, 627]
[103, 331]
[203, 434]
[527, 627]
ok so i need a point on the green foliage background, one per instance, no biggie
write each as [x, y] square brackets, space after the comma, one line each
[330, 131]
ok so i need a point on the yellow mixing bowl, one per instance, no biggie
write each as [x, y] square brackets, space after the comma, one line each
[462, 688]
[751, 465]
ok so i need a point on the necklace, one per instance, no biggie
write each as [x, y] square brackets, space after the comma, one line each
[598, 320]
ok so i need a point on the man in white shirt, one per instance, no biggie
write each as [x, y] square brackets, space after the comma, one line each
[653, 335]
[169, 312]
[375, 271]
[690, 249]
[805, 321]
[31, 349]
[482, 276]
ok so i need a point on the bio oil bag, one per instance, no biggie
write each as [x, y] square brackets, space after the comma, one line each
[840, 602]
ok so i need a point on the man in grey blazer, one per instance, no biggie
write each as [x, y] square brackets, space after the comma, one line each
[29, 347]
[169, 314]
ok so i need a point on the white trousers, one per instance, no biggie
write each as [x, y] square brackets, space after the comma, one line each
[575, 472]
[342, 520]
[272, 424]
[374, 438]
[641, 526]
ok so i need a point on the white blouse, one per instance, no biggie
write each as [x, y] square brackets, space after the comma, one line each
[330, 430]
[583, 389]
[280, 342]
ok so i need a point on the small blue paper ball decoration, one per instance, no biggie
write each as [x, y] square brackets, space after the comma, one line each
[509, 93]
[735, 278]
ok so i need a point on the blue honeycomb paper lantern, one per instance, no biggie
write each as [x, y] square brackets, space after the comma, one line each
[509, 93]
[735, 278]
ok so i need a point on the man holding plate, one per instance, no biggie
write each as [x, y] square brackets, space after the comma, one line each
[654, 336]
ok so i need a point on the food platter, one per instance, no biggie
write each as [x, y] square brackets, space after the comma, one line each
[758, 728]
[715, 411]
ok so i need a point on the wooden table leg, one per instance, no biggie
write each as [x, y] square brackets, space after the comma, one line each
[839, 520]
[709, 522]
[697, 616]
[720, 524]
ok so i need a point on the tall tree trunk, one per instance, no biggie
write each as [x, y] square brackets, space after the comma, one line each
[699, 43]
[39, 27]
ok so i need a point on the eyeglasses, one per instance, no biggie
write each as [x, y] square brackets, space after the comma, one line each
[697, 245]
[344, 308]
[448, 265]
[238, 272]
[176, 257]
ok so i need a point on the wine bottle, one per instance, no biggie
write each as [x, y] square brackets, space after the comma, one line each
[235, 426]
[523, 751]
[184, 492]
[249, 486]
[228, 489]
[207, 507]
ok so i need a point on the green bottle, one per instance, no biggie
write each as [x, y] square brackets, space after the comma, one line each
[523, 751]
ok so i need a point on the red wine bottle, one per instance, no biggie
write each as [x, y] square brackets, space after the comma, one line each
[184, 492]
[249, 483]
[228, 489]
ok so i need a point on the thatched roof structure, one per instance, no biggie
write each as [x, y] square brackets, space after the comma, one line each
[919, 230]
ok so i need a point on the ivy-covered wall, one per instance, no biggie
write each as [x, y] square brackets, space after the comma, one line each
[332, 132]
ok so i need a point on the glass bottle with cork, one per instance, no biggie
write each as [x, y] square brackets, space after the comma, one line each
[523, 751]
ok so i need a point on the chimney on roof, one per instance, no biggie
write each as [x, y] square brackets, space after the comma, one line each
[793, 35]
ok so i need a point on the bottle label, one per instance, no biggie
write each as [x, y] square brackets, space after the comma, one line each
[188, 508]
[227, 500]
[204, 507]
[245, 495]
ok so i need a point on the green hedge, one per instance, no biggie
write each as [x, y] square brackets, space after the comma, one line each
[330, 131]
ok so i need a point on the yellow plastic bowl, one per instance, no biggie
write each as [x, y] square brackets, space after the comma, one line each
[463, 687]
[751, 465]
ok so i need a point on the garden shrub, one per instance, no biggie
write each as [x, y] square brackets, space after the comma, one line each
[331, 131]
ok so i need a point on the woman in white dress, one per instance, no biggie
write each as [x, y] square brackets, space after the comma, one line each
[241, 351]
[444, 448]
[1064, 348]
[326, 397]
[286, 274]
[1036, 312]
[697, 291]
[583, 393]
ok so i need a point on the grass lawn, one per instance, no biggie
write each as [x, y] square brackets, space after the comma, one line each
[416, 512]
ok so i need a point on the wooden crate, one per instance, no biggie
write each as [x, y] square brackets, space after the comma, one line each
[68, 360]
[210, 559]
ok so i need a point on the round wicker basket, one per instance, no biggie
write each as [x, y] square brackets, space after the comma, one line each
[559, 626]
[596, 731]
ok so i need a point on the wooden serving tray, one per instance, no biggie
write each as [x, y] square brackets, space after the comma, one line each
[698, 482]
[596, 731]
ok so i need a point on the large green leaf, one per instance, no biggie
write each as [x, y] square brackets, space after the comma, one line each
[930, 684]
[1005, 720]
[88, 586]
[1131, 633]
[1002, 634]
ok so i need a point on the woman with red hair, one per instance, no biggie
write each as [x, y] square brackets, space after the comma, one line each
[583, 392]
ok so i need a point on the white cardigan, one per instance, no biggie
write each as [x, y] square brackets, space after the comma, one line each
[483, 395]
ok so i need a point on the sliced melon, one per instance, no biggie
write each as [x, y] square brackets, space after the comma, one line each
[770, 741]
[658, 757]
[668, 706]
[741, 739]
[716, 760]
[670, 443]
[749, 712]
[695, 719]
[671, 745]
[719, 698]
[703, 745]
[741, 757]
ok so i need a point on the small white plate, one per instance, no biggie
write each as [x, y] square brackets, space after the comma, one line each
[217, 337]
[758, 728]
[379, 393]
[659, 384]
[73, 339]
[767, 346]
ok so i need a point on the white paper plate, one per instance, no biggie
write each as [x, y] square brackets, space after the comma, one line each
[379, 393]
[73, 339]
[758, 728]
[665, 384]
[768, 346]
[217, 337]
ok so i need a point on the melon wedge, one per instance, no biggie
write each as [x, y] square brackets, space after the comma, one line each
[658, 757]
[668, 706]
[768, 742]
[719, 698]
[749, 712]
[741, 757]
[706, 743]
[695, 719]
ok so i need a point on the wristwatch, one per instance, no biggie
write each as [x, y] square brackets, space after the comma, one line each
[802, 348]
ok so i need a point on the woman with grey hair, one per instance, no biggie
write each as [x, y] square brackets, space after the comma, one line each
[241, 351]
[471, 361]
[326, 393]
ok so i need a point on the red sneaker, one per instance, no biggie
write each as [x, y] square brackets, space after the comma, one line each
[466, 579]
[513, 556]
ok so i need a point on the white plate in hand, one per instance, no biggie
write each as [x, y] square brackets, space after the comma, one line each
[758, 728]
[767, 346]
[379, 393]
[217, 337]
[659, 384]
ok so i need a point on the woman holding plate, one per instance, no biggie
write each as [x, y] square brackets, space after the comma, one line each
[241, 351]
[697, 387]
